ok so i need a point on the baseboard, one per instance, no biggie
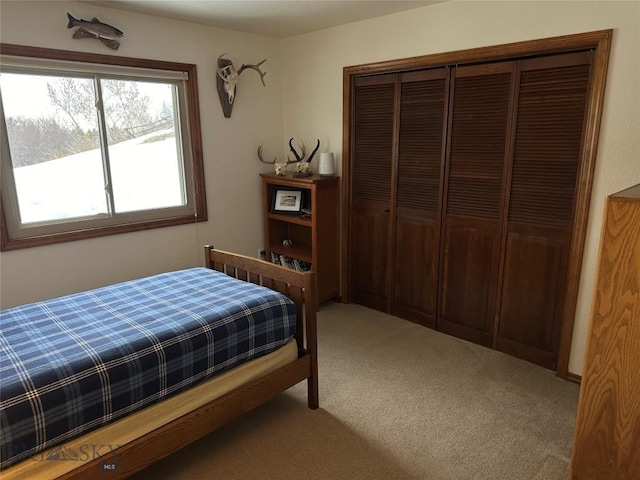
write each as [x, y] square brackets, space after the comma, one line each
[574, 378]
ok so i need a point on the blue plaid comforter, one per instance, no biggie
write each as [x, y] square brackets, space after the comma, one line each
[74, 363]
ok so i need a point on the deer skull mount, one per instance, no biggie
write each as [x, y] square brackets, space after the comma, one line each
[227, 80]
[302, 163]
[280, 167]
[300, 157]
[303, 166]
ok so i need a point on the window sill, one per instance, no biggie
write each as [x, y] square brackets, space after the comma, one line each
[50, 239]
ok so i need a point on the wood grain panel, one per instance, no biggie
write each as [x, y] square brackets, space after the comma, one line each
[530, 292]
[607, 435]
[369, 264]
[468, 282]
[327, 244]
[415, 286]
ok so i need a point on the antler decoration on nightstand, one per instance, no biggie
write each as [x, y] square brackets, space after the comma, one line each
[280, 168]
[302, 167]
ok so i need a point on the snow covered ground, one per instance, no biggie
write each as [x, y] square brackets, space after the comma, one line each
[145, 176]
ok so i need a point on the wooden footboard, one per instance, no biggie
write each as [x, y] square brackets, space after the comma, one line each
[300, 287]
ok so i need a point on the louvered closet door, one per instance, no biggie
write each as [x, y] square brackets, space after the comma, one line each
[550, 117]
[420, 159]
[473, 200]
[373, 151]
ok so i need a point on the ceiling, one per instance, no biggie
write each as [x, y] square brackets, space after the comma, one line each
[273, 18]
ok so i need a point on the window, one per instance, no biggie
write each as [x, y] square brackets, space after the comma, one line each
[96, 145]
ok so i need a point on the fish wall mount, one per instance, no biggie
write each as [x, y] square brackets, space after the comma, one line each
[94, 28]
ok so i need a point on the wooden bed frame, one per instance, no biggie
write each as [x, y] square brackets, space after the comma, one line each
[145, 450]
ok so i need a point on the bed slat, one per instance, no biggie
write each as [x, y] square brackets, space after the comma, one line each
[254, 278]
[297, 295]
[217, 266]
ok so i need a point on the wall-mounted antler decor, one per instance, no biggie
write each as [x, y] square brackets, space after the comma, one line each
[227, 78]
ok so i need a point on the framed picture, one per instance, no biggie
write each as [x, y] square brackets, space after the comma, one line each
[286, 200]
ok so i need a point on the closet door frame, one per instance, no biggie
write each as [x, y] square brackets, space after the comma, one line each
[600, 43]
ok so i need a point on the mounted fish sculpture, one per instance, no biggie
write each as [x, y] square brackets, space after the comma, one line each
[94, 28]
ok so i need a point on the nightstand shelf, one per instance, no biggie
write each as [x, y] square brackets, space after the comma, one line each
[298, 220]
[310, 238]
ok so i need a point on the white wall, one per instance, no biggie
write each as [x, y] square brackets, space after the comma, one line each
[229, 144]
[303, 99]
[312, 86]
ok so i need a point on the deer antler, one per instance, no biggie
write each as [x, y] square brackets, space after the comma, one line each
[255, 67]
[314, 151]
[299, 158]
[262, 159]
[303, 149]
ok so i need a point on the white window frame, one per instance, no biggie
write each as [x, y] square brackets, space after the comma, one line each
[20, 59]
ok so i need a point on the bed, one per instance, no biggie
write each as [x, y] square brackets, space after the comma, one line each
[274, 348]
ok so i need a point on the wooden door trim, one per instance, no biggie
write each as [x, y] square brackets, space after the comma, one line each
[393, 207]
[600, 43]
[595, 101]
[443, 190]
[444, 193]
[506, 188]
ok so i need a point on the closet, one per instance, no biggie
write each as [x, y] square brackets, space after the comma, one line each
[462, 191]
[411, 221]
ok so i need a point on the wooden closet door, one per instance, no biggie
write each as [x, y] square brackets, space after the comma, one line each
[550, 116]
[420, 158]
[374, 132]
[479, 113]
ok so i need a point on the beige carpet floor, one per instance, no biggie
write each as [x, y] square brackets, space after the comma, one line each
[397, 401]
